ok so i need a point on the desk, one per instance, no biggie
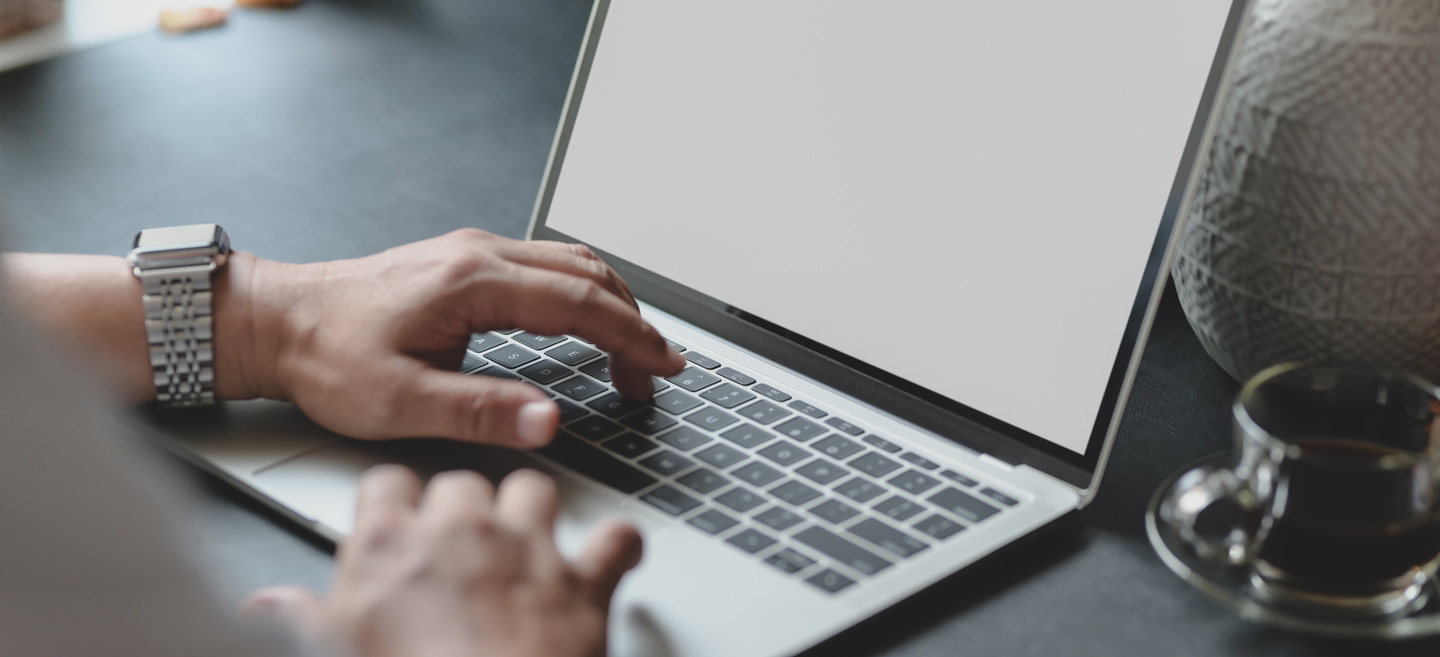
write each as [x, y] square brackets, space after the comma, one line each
[348, 126]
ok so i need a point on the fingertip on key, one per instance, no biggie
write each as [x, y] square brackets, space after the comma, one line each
[535, 423]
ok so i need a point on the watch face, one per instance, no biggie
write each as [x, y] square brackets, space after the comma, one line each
[196, 235]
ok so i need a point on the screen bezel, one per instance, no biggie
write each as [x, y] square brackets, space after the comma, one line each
[928, 409]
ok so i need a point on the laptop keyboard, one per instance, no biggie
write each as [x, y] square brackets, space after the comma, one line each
[795, 484]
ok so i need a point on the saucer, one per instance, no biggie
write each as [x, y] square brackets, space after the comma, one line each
[1231, 585]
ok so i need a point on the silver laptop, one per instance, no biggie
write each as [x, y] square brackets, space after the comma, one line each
[910, 249]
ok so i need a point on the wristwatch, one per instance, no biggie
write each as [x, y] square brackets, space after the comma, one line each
[175, 265]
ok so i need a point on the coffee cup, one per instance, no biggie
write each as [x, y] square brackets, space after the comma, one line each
[1329, 497]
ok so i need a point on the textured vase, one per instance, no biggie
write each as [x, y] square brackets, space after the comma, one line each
[1315, 232]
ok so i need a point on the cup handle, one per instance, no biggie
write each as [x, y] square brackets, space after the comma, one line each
[1198, 490]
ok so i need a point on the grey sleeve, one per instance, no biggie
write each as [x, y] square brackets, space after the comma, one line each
[90, 563]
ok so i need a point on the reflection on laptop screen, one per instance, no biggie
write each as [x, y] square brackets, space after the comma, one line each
[963, 194]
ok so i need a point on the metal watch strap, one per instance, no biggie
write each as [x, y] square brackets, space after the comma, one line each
[179, 327]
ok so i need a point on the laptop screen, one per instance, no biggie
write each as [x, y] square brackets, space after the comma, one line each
[960, 194]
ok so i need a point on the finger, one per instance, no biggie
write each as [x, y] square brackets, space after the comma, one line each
[456, 493]
[613, 549]
[528, 502]
[631, 381]
[573, 259]
[295, 608]
[477, 409]
[386, 492]
[551, 303]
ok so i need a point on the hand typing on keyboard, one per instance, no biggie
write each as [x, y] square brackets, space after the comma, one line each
[467, 570]
[369, 347]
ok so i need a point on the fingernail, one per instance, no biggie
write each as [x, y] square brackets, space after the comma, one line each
[536, 422]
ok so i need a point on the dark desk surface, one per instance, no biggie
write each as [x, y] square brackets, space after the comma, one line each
[348, 126]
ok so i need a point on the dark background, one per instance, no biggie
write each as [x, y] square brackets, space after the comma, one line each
[348, 126]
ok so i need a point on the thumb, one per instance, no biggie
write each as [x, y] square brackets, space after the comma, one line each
[477, 409]
[295, 608]
[613, 549]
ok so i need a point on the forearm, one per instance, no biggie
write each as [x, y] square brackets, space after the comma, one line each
[90, 307]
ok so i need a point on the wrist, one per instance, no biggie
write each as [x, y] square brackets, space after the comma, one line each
[254, 299]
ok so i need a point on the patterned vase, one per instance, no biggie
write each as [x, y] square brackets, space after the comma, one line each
[1315, 232]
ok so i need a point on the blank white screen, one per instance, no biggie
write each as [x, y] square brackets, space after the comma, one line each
[981, 181]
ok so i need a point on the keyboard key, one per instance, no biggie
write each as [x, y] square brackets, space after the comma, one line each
[598, 368]
[728, 395]
[506, 331]
[778, 519]
[837, 447]
[882, 443]
[939, 527]
[842, 550]
[999, 496]
[579, 388]
[963, 505]
[799, 429]
[630, 445]
[546, 371]
[919, 460]
[899, 508]
[588, 460]
[794, 492]
[790, 561]
[829, 581]
[679, 349]
[572, 353]
[497, 372]
[763, 412]
[834, 511]
[613, 405]
[747, 435]
[713, 522]
[670, 500]
[771, 393]
[594, 428]
[721, 456]
[821, 471]
[757, 474]
[842, 425]
[676, 402]
[538, 342]
[735, 375]
[511, 356]
[472, 362]
[887, 537]
[874, 465]
[483, 342]
[711, 419]
[958, 478]
[785, 453]
[659, 383]
[860, 489]
[702, 360]
[685, 439]
[569, 411]
[666, 463]
[807, 409]
[648, 421]
[740, 499]
[694, 379]
[751, 541]
[703, 480]
[914, 482]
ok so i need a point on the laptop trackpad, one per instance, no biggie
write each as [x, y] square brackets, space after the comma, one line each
[321, 484]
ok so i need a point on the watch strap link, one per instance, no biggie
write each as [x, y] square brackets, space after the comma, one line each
[180, 330]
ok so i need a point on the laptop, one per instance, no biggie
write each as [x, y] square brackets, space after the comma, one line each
[910, 250]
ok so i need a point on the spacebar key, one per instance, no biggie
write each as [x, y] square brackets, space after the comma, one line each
[594, 463]
[842, 550]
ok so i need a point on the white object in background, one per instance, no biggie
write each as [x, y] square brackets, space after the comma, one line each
[88, 23]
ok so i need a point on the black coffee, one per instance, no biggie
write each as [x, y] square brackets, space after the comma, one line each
[1349, 521]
